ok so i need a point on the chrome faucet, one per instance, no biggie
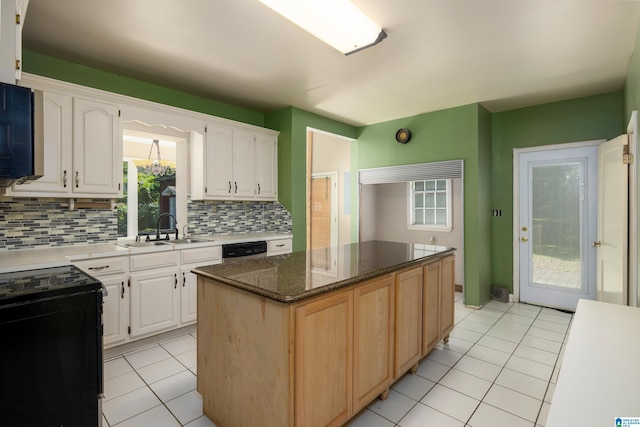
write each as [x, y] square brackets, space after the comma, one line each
[175, 221]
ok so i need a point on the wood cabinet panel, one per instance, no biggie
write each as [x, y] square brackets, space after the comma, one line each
[431, 304]
[245, 357]
[323, 354]
[408, 328]
[372, 340]
[447, 298]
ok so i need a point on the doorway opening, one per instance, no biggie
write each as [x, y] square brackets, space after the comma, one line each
[328, 190]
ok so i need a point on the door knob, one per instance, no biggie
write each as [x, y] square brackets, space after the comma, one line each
[596, 244]
[524, 239]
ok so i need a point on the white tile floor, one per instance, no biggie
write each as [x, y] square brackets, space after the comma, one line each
[499, 369]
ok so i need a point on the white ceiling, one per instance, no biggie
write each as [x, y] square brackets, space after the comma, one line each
[438, 54]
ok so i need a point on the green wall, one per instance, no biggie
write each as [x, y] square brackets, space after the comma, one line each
[582, 119]
[59, 69]
[292, 160]
[445, 135]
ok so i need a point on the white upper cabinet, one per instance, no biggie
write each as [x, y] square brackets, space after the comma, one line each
[12, 15]
[239, 164]
[97, 148]
[266, 167]
[82, 145]
[244, 165]
[218, 170]
[53, 123]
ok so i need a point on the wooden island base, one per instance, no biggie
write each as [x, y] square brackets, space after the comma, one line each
[318, 361]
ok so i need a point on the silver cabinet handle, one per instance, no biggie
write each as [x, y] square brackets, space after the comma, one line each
[77, 179]
[229, 187]
[258, 188]
[236, 184]
[64, 179]
[281, 245]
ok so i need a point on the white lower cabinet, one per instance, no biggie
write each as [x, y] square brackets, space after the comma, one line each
[155, 301]
[115, 310]
[113, 272]
[190, 259]
[279, 246]
[188, 296]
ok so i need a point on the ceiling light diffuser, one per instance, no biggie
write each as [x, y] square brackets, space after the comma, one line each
[336, 22]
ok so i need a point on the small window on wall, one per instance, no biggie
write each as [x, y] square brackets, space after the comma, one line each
[430, 205]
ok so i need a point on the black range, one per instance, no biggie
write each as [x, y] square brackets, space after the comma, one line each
[51, 369]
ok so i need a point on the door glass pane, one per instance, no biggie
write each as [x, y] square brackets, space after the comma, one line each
[556, 225]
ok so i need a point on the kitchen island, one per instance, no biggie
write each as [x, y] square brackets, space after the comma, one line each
[310, 338]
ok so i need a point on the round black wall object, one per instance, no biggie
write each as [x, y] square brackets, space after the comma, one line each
[403, 135]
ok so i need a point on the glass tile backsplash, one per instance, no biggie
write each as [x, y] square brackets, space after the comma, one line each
[38, 222]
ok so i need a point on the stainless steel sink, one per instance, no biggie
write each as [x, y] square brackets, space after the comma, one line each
[142, 244]
[189, 240]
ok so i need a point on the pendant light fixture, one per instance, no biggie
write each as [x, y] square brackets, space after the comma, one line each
[155, 167]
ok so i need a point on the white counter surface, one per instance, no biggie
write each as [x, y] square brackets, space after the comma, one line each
[28, 259]
[600, 373]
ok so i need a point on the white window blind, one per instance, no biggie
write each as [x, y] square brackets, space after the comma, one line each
[415, 172]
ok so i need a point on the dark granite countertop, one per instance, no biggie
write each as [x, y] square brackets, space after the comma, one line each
[301, 275]
[32, 285]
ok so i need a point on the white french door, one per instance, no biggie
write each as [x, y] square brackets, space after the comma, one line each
[556, 226]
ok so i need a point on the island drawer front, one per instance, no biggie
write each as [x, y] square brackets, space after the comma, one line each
[280, 245]
[155, 260]
[211, 254]
[104, 266]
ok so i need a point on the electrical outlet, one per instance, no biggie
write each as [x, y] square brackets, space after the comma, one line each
[497, 212]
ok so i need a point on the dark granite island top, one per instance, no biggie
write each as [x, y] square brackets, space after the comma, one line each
[300, 275]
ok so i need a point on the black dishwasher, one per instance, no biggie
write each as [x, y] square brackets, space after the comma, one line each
[51, 356]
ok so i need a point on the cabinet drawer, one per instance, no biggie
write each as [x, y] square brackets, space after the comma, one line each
[211, 254]
[279, 246]
[103, 266]
[155, 260]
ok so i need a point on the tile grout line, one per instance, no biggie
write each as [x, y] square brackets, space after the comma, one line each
[148, 385]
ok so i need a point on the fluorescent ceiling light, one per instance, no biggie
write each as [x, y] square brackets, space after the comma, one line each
[336, 22]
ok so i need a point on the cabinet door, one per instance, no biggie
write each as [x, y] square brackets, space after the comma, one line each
[244, 165]
[372, 340]
[431, 304]
[323, 361]
[447, 298]
[115, 315]
[188, 296]
[408, 337]
[97, 148]
[266, 167]
[154, 301]
[218, 168]
[53, 124]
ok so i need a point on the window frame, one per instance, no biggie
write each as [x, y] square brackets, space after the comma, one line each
[411, 208]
